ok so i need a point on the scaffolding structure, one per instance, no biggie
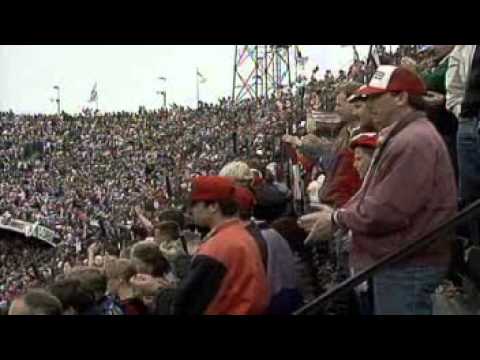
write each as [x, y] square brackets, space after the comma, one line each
[260, 70]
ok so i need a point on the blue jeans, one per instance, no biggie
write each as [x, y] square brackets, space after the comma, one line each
[364, 300]
[406, 291]
[468, 148]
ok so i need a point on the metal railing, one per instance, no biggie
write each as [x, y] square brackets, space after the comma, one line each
[468, 214]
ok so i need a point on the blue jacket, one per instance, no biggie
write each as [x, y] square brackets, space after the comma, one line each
[281, 273]
[105, 306]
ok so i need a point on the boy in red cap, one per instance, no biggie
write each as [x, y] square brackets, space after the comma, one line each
[409, 190]
[363, 146]
[227, 276]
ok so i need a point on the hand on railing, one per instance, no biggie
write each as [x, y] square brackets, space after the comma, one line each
[466, 215]
[318, 224]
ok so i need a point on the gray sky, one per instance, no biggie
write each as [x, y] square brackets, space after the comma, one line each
[127, 75]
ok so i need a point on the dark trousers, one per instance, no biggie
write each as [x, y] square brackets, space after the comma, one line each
[468, 150]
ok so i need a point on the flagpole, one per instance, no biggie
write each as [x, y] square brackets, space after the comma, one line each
[56, 87]
[96, 100]
[198, 89]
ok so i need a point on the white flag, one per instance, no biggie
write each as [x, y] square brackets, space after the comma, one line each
[302, 60]
[93, 94]
[201, 78]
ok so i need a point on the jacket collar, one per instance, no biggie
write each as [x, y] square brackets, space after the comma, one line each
[221, 226]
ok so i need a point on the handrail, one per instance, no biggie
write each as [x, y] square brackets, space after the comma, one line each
[29, 230]
[470, 212]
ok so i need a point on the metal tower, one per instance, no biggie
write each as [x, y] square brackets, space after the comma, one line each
[259, 70]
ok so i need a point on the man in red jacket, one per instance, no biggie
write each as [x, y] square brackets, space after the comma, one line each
[408, 191]
[342, 180]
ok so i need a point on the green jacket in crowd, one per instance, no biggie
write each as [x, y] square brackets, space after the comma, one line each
[435, 78]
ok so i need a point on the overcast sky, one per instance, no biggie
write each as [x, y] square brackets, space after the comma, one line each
[127, 75]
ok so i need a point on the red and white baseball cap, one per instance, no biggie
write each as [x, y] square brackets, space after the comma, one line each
[389, 78]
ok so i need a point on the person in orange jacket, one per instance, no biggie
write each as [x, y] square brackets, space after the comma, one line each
[227, 275]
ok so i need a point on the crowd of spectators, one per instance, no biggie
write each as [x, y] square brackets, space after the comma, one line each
[82, 176]
[103, 181]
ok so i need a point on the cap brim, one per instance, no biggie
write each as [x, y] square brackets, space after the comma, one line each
[425, 48]
[369, 90]
[356, 97]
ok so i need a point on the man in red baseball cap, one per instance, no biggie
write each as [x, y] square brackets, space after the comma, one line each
[391, 85]
[409, 190]
[227, 275]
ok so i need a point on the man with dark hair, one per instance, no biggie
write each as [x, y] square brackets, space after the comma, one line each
[173, 247]
[94, 281]
[148, 259]
[172, 215]
[36, 302]
[75, 298]
[227, 275]
[408, 191]
[166, 232]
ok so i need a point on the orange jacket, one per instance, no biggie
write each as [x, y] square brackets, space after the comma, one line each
[244, 288]
[226, 277]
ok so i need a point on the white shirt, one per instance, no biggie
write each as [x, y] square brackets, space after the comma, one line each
[459, 66]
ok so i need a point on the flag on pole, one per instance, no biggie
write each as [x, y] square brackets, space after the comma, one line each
[356, 56]
[201, 78]
[302, 60]
[298, 52]
[93, 94]
[376, 56]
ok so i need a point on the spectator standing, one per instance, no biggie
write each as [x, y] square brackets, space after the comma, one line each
[381, 217]
[216, 282]
[462, 83]
[342, 180]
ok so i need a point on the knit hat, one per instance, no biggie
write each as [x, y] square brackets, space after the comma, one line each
[212, 188]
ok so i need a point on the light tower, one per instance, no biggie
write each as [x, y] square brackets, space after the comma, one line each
[259, 70]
